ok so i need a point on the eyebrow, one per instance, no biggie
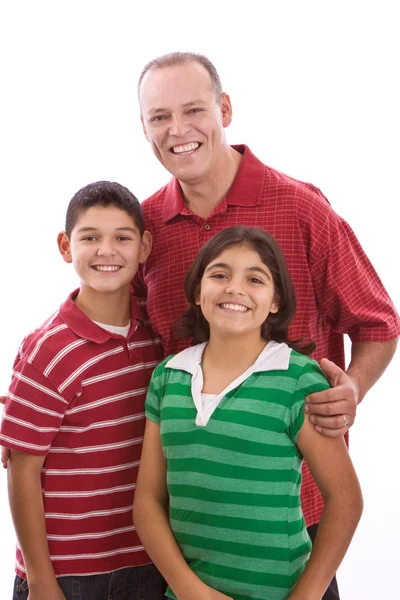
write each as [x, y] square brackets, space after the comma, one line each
[154, 111]
[86, 229]
[249, 269]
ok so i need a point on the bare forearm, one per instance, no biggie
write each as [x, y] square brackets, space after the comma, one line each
[26, 503]
[335, 531]
[152, 525]
[368, 362]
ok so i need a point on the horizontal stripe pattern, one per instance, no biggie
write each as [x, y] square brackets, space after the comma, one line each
[234, 484]
[77, 396]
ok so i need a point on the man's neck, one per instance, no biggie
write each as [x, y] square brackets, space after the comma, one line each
[203, 196]
[108, 308]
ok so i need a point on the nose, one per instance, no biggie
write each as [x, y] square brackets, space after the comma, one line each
[234, 286]
[179, 126]
[106, 248]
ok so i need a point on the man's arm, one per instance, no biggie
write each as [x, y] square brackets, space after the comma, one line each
[333, 411]
[26, 503]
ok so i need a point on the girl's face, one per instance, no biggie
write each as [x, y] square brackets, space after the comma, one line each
[237, 292]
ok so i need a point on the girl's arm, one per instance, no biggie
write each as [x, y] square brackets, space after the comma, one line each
[26, 503]
[333, 471]
[150, 511]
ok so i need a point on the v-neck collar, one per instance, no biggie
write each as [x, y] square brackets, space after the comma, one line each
[275, 356]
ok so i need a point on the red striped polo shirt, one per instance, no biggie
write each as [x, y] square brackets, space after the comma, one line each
[77, 396]
[338, 291]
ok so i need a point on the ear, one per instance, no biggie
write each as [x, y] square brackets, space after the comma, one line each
[197, 295]
[64, 246]
[226, 110]
[275, 305]
[145, 248]
[144, 128]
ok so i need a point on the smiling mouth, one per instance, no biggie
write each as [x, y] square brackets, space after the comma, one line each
[185, 149]
[235, 307]
[106, 268]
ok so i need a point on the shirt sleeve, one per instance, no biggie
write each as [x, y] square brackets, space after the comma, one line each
[155, 393]
[347, 288]
[33, 412]
[311, 380]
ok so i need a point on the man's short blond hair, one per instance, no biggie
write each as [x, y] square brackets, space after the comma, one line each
[179, 58]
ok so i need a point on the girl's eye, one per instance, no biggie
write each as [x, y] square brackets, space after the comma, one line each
[255, 280]
[218, 275]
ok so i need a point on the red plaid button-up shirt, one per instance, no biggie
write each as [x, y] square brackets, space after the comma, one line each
[338, 291]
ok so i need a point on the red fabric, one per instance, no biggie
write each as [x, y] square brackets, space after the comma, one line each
[80, 390]
[337, 288]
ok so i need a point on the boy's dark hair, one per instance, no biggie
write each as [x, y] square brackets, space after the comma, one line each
[275, 327]
[103, 193]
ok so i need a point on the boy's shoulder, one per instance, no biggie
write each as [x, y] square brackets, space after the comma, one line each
[51, 335]
[55, 338]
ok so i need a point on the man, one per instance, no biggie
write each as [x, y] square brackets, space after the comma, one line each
[184, 112]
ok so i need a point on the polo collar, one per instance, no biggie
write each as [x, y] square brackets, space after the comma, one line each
[274, 357]
[245, 191]
[85, 328]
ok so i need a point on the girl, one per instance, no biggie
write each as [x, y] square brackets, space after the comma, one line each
[217, 503]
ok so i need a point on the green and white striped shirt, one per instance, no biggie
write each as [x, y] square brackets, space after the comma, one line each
[234, 482]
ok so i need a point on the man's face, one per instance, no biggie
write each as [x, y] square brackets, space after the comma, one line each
[184, 121]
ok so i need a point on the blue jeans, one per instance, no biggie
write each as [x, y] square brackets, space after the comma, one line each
[132, 583]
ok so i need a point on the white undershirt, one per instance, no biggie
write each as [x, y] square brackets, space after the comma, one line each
[115, 328]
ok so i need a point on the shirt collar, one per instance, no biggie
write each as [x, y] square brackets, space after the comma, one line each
[274, 357]
[85, 328]
[245, 191]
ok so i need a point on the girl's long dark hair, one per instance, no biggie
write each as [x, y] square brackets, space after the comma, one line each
[276, 327]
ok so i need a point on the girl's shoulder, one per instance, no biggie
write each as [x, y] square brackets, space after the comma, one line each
[307, 370]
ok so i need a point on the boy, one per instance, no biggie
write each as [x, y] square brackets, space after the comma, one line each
[74, 416]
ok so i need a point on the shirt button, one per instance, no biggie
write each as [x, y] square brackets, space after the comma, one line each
[207, 227]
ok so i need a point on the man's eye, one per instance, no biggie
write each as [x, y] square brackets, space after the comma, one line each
[157, 118]
[195, 110]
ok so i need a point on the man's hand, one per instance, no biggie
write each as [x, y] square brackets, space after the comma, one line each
[333, 411]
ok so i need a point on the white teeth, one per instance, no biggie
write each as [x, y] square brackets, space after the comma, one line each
[238, 307]
[106, 267]
[185, 148]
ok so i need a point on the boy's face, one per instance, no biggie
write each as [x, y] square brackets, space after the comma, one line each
[105, 248]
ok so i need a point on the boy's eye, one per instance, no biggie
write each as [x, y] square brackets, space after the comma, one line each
[123, 238]
[89, 238]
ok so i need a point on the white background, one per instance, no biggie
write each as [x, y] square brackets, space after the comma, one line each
[314, 87]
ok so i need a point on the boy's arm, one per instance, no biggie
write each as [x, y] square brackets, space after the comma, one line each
[332, 469]
[150, 513]
[26, 503]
